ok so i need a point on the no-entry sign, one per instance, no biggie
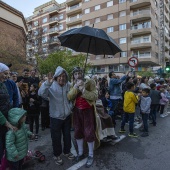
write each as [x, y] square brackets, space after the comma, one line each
[133, 62]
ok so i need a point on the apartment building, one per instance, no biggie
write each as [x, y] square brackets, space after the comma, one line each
[46, 23]
[140, 27]
[13, 29]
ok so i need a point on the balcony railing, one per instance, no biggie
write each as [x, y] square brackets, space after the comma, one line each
[133, 0]
[144, 55]
[52, 9]
[54, 40]
[55, 29]
[74, 7]
[141, 26]
[140, 12]
[53, 19]
[139, 41]
[74, 18]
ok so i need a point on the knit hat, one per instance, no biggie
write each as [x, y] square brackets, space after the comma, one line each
[3, 67]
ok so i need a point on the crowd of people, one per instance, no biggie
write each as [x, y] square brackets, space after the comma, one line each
[90, 106]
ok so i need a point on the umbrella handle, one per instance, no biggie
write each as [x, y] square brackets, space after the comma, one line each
[86, 58]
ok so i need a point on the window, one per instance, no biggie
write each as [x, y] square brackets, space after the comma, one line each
[97, 20]
[35, 23]
[44, 39]
[110, 3]
[146, 38]
[156, 42]
[61, 27]
[126, 68]
[110, 16]
[122, 1]
[44, 29]
[86, 11]
[87, 23]
[36, 42]
[101, 69]
[36, 32]
[97, 7]
[44, 50]
[156, 3]
[86, 0]
[44, 20]
[115, 68]
[61, 16]
[122, 40]
[122, 27]
[122, 13]
[110, 29]
[123, 54]
[121, 68]
[156, 16]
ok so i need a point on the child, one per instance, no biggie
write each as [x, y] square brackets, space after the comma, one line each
[108, 106]
[130, 101]
[155, 98]
[17, 141]
[107, 103]
[145, 105]
[163, 102]
[33, 109]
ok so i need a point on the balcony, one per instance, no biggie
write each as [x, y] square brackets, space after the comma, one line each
[72, 2]
[166, 46]
[53, 20]
[29, 19]
[140, 15]
[54, 30]
[74, 9]
[29, 47]
[53, 10]
[140, 43]
[54, 40]
[141, 29]
[138, 3]
[74, 20]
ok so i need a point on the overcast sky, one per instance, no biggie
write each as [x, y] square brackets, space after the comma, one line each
[27, 6]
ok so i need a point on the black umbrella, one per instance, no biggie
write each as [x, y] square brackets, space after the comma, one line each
[90, 40]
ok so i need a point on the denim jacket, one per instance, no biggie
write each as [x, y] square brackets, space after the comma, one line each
[114, 86]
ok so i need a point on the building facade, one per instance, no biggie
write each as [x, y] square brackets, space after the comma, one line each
[13, 31]
[140, 27]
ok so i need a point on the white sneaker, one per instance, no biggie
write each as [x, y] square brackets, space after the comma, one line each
[58, 160]
[161, 115]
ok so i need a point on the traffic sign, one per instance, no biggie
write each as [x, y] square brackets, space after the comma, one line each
[133, 62]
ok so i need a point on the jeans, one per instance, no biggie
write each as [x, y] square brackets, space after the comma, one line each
[33, 119]
[126, 117]
[162, 109]
[145, 117]
[3, 131]
[16, 165]
[58, 128]
[45, 118]
[154, 109]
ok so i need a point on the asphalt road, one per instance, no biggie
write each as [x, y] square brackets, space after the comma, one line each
[149, 153]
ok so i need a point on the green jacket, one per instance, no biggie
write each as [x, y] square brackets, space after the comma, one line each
[2, 119]
[16, 142]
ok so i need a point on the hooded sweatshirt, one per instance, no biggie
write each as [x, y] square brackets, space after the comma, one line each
[59, 106]
[145, 104]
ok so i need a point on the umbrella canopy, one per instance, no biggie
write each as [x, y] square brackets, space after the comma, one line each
[89, 40]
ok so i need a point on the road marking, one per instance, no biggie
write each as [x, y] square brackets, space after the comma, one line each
[78, 165]
[118, 140]
[82, 162]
